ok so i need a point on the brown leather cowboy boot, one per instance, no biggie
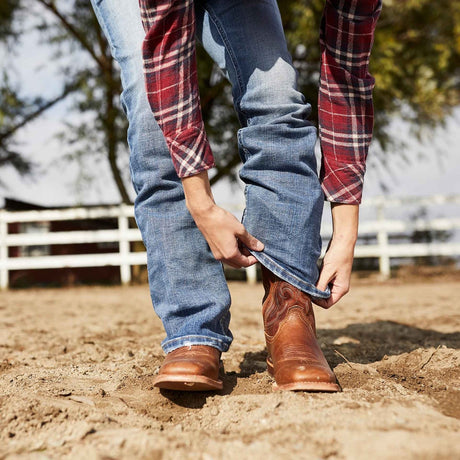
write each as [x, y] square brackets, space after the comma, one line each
[190, 368]
[295, 358]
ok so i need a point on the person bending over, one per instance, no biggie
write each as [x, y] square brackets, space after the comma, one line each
[186, 234]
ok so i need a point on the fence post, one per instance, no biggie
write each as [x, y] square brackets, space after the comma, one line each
[3, 251]
[382, 240]
[123, 227]
[251, 274]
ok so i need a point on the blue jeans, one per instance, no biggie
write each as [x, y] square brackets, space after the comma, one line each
[284, 200]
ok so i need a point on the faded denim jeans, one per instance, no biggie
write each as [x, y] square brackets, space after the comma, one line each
[284, 200]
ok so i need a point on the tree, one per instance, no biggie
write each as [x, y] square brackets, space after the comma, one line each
[91, 78]
[11, 106]
[415, 61]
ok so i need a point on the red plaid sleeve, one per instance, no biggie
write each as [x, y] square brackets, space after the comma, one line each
[346, 113]
[171, 82]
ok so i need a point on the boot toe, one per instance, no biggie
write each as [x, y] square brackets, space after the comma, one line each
[179, 367]
[295, 371]
[190, 369]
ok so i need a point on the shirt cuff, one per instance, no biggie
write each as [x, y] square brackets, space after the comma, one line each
[342, 182]
[191, 152]
[362, 9]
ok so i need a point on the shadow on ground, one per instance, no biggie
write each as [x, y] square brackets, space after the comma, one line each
[356, 344]
[372, 341]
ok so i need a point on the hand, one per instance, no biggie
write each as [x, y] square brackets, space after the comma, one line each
[228, 239]
[335, 273]
[337, 263]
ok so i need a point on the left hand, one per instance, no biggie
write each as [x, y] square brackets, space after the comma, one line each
[338, 261]
[335, 272]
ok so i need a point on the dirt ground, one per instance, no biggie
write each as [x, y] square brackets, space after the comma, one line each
[76, 370]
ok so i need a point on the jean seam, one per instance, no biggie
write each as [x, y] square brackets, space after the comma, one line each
[266, 261]
[245, 210]
[244, 150]
[203, 340]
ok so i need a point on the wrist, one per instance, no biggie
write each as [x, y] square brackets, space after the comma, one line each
[198, 208]
[198, 195]
[345, 219]
[343, 241]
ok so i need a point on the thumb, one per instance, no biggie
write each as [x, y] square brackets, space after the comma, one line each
[250, 241]
[325, 277]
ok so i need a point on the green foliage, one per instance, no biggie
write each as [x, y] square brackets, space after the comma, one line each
[90, 77]
[8, 9]
[11, 111]
[415, 61]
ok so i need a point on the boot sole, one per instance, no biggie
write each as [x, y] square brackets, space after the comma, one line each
[308, 386]
[324, 387]
[187, 383]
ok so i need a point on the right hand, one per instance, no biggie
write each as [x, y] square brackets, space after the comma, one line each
[228, 239]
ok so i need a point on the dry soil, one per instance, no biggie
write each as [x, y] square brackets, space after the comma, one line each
[76, 370]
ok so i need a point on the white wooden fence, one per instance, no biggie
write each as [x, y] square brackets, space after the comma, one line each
[382, 228]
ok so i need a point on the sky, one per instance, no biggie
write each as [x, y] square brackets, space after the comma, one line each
[433, 166]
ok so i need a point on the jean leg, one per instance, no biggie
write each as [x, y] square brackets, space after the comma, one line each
[284, 201]
[187, 284]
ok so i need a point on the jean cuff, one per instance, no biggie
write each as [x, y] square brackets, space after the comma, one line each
[285, 275]
[189, 340]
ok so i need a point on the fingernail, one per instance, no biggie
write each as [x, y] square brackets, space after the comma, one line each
[260, 246]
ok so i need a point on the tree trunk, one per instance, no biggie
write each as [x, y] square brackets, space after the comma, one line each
[109, 118]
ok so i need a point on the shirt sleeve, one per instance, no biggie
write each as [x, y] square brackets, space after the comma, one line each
[345, 113]
[170, 72]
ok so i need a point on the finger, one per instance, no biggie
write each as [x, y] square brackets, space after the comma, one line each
[247, 261]
[235, 266]
[243, 261]
[245, 251]
[325, 277]
[230, 264]
[323, 303]
[252, 260]
[336, 294]
[250, 241]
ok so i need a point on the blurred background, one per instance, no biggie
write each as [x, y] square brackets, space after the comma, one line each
[63, 137]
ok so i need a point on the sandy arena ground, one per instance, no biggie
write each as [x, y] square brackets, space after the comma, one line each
[76, 369]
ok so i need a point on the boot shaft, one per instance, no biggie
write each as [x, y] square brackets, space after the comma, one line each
[280, 299]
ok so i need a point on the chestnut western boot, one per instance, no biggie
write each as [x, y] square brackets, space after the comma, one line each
[190, 368]
[295, 358]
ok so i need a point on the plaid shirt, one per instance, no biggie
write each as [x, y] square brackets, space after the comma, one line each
[345, 96]
[172, 83]
[345, 110]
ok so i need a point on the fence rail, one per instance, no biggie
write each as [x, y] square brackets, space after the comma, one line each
[381, 228]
